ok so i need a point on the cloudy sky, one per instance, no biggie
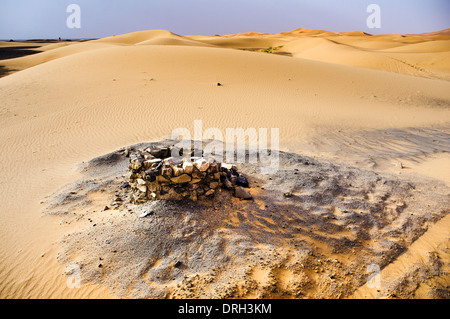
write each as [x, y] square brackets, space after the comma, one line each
[28, 19]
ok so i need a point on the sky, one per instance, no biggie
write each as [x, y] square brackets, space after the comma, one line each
[47, 19]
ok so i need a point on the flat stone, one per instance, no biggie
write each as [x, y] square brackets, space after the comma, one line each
[185, 178]
[195, 181]
[242, 193]
[162, 179]
[151, 163]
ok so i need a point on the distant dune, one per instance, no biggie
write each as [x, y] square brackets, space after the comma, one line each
[445, 32]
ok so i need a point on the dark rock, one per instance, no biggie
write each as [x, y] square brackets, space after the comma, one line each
[178, 264]
[156, 152]
[242, 181]
[287, 194]
[165, 152]
[126, 185]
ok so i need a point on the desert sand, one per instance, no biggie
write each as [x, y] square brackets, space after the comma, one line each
[364, 103]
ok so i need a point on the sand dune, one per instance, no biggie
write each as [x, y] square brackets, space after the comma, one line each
[138, 36]
[441, 33]
[392, 53]
[331, 100]
[173, 41]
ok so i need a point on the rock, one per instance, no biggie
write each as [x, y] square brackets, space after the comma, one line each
[140, 181]
[148, 156]
[242, 181]
[153, 187]
[195, 181]
[172, 161]
[201, 164]
[177, 171]
[146, 213]
[185, 178]
[125, 185]
[156, 152]
[209, 192]
[188, 167]
[242, 193]
[152, 163]
[142, 188]
[400, 165]
[213, 185]
[136, 164]
[165, 152]
[287, 194]
[233, 171]
[227, 184]
[194, 196]
[166, 171]
[162, 179]
[105, 208]
[215, 167]
[178, 264]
